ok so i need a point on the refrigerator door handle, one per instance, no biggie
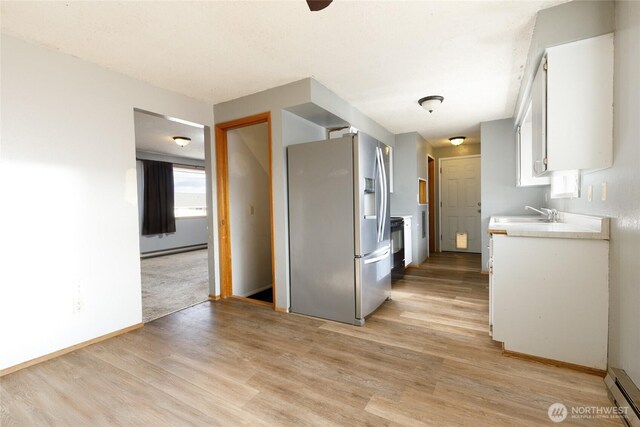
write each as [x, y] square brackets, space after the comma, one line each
[384, 195]
[385, 255]
[380, 215]
[376, 252]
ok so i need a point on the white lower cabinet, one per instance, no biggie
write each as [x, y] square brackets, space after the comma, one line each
[549, 297]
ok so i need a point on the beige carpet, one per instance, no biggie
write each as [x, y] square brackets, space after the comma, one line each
[173, 282]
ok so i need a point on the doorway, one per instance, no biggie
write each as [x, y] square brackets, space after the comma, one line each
[172, 209]
[460, 210]
[431, 183]
[245, 209]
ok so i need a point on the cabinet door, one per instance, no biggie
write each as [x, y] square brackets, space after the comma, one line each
[491, 301]
[580, 104]
[539, 120]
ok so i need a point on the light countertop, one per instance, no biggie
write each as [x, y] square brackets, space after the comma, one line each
[569, 226]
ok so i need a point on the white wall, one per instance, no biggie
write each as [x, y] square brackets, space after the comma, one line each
[68, 189]
[249, 180]
[499, 194]
[623, 198]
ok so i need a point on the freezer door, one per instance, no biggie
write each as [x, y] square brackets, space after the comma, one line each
[373, 281]
[321, 232]
[368, 193]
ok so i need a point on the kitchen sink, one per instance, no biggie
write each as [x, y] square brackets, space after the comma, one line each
[519, 219]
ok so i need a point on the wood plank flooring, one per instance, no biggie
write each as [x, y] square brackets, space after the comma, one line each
[424, 358]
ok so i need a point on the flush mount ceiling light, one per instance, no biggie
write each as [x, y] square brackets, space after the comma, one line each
[182, 141]
[316, 5]
[457, 140]
[430, 103]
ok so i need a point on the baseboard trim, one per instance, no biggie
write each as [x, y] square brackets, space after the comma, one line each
[173, 251]
[552, 362]
[214, 297]
[252, 301]
[64, 351]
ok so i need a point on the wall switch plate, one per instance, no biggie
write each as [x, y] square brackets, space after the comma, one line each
[590, 193]
[604, 191]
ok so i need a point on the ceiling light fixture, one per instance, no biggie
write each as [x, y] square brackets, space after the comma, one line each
[430, 103]
[457, 140]
[316, 5]
[182, 141]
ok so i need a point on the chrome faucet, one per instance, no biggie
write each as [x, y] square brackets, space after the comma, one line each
[551, 214]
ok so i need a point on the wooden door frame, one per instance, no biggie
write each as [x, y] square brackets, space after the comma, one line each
[431, 184]
[440, 192]
[222, 180]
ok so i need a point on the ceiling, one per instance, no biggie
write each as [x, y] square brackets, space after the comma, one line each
[381, 56]
[155, 134]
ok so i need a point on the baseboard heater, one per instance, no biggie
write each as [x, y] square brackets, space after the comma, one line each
[625, 394]
[173, 251]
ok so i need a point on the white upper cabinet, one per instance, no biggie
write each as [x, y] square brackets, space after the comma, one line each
[572, 107]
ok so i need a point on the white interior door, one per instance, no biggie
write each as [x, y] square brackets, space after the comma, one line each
[460, 211]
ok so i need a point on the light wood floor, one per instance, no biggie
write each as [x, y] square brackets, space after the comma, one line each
[424, 358]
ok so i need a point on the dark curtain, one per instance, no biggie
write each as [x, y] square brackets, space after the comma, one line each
[158, 214]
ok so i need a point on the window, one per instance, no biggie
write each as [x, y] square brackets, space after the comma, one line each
[190, 192]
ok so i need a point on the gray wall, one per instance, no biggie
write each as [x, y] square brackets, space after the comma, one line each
[444, 152]
[405, 187]
[288, 129]
[499, 194]
[410, 162]
[421, 246]
[623, 198]
[189, 231]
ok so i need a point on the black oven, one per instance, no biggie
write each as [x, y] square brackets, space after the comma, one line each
[397, 247]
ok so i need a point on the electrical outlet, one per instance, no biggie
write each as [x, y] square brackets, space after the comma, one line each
[590, 193]
[604, 191]
[78, 300]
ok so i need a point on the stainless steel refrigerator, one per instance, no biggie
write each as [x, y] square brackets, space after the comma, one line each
[339, 238]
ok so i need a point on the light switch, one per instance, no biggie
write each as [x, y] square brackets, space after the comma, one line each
[590, 193]
[604, 191]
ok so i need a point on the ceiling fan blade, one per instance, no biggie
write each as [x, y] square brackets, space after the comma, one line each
[316, 5]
